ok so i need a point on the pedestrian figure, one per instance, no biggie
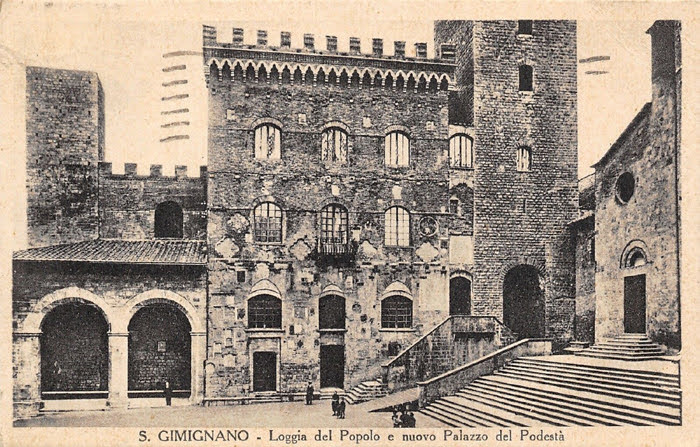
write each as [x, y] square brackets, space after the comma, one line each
[341, 409]
[335, 399]
[395, 418]
[167, 392]
[309, 394]
[411, 420]
[404, 418]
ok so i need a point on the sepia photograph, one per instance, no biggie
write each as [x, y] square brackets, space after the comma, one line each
[337, 223]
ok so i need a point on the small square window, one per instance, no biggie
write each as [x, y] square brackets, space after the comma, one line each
[240, 276]
[524, 26]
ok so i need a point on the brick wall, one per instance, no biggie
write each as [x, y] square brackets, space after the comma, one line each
[65, 140]
[128, 201]
[521, 217]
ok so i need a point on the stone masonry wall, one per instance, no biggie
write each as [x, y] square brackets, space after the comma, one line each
[521, 217]
[65, 140]
[301, 184]
[585, 240]
[128, 201]
[648, 150]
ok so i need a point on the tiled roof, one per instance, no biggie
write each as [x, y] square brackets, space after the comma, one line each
[161, 251]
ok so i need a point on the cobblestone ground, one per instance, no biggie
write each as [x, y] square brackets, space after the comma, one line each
[287, 414]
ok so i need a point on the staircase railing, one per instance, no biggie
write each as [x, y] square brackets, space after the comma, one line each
[450, 382]
[457, 340]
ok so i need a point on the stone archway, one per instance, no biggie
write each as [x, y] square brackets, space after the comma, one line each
[524, 301]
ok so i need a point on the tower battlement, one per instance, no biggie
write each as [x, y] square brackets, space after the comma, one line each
[262, 62]
[155, 171]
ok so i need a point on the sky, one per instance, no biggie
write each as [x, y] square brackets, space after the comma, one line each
[124, 44]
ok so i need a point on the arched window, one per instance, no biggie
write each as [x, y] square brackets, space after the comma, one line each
[334, 145]
[267, 222]
[331, 312]
[397, 227]
[264, 312]
[397, 312]
[525, 78]
[636, 258]
[334, 229]
[461, 151]
[168, 220]
[268, 142]
[396, 149]
[523, 159]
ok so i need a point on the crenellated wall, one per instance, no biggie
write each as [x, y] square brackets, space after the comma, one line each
[128, 201]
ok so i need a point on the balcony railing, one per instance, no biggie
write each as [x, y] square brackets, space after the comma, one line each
[333, 248]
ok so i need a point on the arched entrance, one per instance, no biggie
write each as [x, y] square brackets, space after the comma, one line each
[460, 296]
[159, 350]
[523, 302]
[74, 352]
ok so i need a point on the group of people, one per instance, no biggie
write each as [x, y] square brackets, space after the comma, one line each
[403, 418]
[338, 406]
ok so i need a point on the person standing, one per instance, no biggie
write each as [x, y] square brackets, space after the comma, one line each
[334, 403]
[341, 409]
[168, 393]
[309, 394]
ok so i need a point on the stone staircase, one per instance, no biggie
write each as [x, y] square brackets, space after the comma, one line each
[625, 347]
[371, 389]
[565, 391]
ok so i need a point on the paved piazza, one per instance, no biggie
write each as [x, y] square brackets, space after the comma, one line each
[287, 414]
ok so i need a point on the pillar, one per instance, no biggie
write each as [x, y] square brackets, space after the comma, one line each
[26, 373]
[199, 348]
[118, 369]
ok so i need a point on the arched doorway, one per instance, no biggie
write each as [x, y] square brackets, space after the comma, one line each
[523, 302]
[460, 296]
[74, 352]
[159, 350]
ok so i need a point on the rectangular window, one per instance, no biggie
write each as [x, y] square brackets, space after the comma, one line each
[397, 313]
[268, 223]
[268, 142]
[334, 230]
[525, 75]
[396, 150]
[524, 159]
[397, 223]
[334, 145]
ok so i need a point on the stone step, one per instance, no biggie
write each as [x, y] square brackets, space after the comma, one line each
[616, 356]
[507, 416]
[585, 386]
[615, 409]
[463, 417]
[596, 378]
[631, 349]
[594, 372]
[551, 413]
[608, 369]
[606, 415]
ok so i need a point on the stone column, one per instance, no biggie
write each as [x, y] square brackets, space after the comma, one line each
[26, 373]
[118, 369]
[199, 352]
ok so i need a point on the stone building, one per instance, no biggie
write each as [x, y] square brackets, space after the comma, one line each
[628, 237]
[352, 203]
[357, 200]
